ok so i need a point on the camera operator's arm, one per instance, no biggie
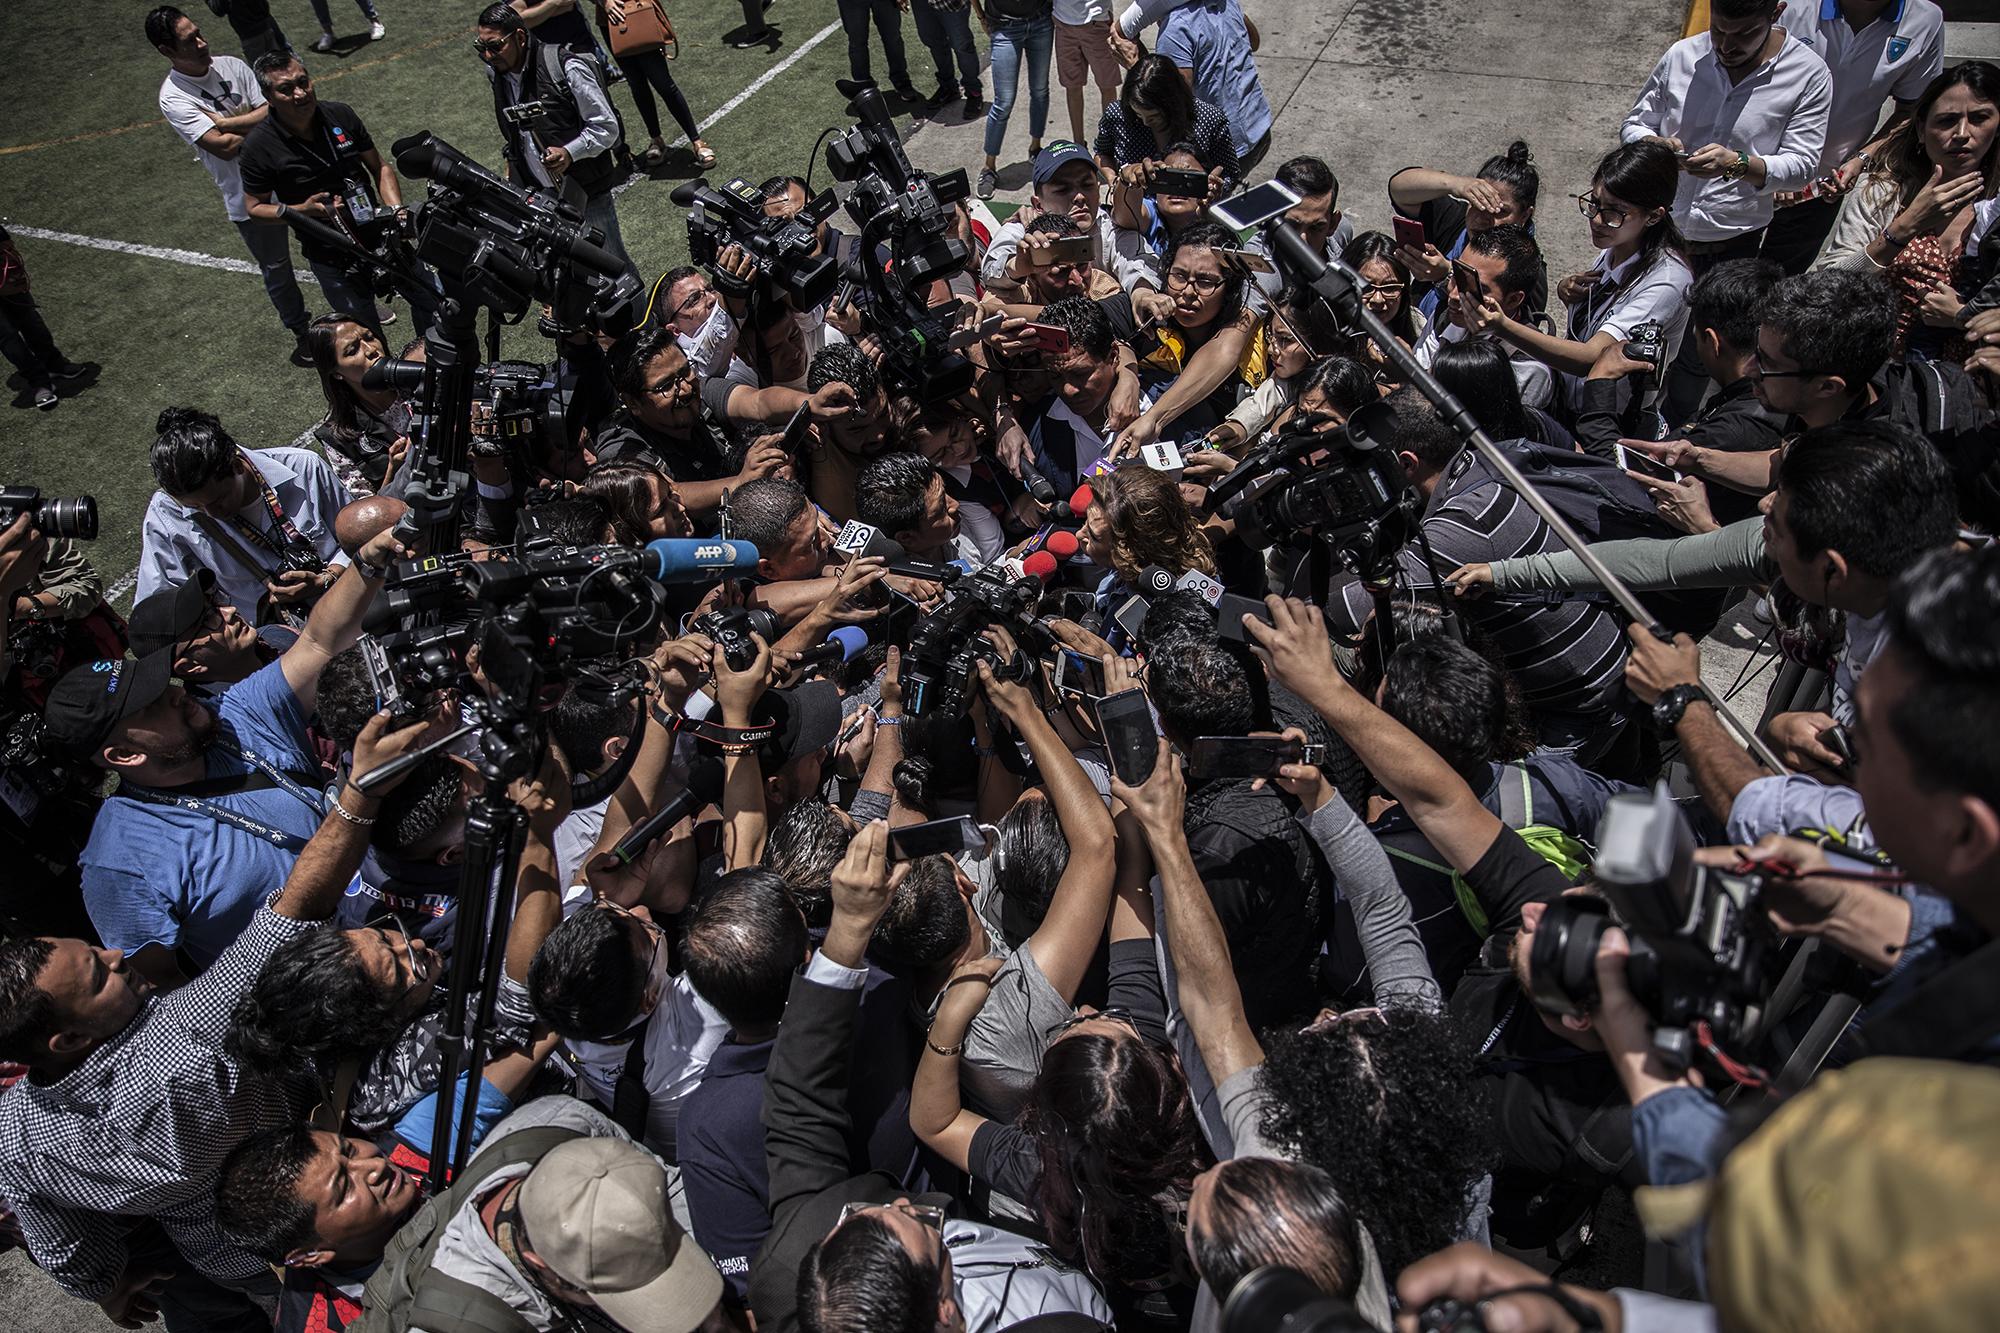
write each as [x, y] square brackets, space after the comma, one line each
[1067, 939]
[387, 184]
[1754, 472]
[22, 550]
[1294, 648]
[1720, 766]
[878, 781]
[1204, 978]
[327, 863]
[544, 799]
[743, 811]
[335, 623]
[1504, 1293]
[67, 588]
[1207, 368]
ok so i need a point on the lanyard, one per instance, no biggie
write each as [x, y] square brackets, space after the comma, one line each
[256, 828]
[283, 526]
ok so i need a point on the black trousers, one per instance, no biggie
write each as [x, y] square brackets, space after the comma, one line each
[1686, 381]
[854, 16]
[26, 341]
[1796, 233]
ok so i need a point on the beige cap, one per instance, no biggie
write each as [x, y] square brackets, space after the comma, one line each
[596, 1213]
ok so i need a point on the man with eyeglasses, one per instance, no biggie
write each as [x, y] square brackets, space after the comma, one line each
[213, 102]
[317, 159]
[854, 1253]
[213, 645]
[555, 119]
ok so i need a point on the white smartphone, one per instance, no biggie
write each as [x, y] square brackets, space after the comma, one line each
[1634, 461]
[1255, 206]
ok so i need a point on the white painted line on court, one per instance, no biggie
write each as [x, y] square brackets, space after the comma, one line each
[122, 588]
[754, 87]
[192, 257]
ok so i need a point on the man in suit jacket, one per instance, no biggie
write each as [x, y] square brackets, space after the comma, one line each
[856, 1248]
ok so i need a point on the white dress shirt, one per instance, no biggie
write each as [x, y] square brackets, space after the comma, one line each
[1895, 56]
[1635, 292]
[1777, 112]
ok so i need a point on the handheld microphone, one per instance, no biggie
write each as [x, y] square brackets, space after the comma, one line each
[843, 645]
[1041, 565]
[696, 559]
[1079, 501]
[1155, 581]
[1062, 544]
[704, 788]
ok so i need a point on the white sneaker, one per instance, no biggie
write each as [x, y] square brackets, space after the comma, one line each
[376, 32]
[325, 42]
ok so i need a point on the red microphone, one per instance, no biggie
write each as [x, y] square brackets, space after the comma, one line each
[1040, 565]
[1079, 500]
[1062, 544]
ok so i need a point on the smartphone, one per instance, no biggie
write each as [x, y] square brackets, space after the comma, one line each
[1130, 614]
[1835, 738]
[793, 437]
[1230, 757]
[1256, 205]
[1179, 182]
[1229, 613]
[1634, 461]
[951, 837]
[1249, 261]
[1051, 338]
[1125, 721]
[1052, 250]
[974, 333]
[1078, 673]
[1467, 279]
[1409, 232]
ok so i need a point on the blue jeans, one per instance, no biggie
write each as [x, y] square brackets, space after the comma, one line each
[344, 296]
[270, 244]
[943, 33]
[1036, 40]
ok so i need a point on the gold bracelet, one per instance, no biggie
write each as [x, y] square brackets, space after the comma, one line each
[946, 1051]
[737, 748]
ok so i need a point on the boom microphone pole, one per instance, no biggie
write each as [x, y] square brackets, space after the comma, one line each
[1338, 285]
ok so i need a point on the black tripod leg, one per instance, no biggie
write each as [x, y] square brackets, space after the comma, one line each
[509, 837]
[475, 892]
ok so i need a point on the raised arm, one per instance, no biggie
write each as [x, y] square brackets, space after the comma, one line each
[1295, 649]
[1204, 979]
[744, 819]
[335, 623]
[937, 1112]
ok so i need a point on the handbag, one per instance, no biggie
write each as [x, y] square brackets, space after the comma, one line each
[643, 31]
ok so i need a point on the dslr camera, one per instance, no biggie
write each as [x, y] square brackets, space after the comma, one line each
[75, 517]
[730, 628]
[1704, 952]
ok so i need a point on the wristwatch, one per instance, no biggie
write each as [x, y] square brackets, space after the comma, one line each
[1667, 709]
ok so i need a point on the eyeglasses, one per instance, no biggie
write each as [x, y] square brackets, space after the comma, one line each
[1205, 283]
[489, 46]
[1113, 1012]
[675, 386]
[693, 300]
[1593, 210]
[1759, 371]
[930, 1215]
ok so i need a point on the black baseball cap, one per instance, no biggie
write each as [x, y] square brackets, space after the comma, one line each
[170, 615]
[88, 703]
[803, 719]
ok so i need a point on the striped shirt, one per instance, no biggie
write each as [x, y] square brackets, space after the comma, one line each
[1568, 655]
[140, 1128]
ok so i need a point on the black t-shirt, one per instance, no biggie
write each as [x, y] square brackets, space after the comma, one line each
[709, 453]
[292, 170]
[1203, 416]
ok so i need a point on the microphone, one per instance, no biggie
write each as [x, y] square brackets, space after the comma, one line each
[1079, 501]
[1155, 580]
[1062, 544]
[843, 645]
[704, 788]
[1041, 565]
[696, 559]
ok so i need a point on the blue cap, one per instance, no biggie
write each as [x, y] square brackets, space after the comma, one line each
[1057, 154]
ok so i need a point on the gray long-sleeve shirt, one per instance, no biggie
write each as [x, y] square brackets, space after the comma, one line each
[1398, 969]
[1725, 558]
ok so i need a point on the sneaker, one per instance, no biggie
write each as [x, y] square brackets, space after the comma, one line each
[988, 183]
[975, 104]
[746, 41]
[376, 32]
[45, 398]
[384, 315]
[325, 43]
[907, 91]
[69, 370]
[302, 356]
[945, 93]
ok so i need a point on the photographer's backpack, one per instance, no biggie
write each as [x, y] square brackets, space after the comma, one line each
[1517, 811]
[405, 1293]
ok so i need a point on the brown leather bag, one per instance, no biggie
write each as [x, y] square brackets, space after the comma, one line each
[643, 32]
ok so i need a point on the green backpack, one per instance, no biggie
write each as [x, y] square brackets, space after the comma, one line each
[1517, 811]
[404, 1292]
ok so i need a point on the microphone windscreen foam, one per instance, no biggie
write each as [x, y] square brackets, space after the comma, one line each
[1079, 500]
[1062, 544]
[1040, 565]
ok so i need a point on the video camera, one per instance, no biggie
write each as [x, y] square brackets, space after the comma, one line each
[1704, 952]
[517, 404]
[75, 518]
[781, 247]
[910, 212]
[1355, 499]
[496, 245]
[946, 647]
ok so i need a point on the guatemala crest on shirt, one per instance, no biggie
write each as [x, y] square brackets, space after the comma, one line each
[1898, 45]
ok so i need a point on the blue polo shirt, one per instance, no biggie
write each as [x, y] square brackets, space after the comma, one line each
[1210, 38]
[157, 874]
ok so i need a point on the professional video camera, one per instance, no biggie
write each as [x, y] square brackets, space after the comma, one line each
[75, 517]
[782, 247]
[515, 404]
[911, 212]
[1704, 952]
[946, 647]
[1343, 488]
[496, 245]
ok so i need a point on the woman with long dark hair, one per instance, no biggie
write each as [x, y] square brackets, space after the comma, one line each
[1641, 276]
[1391, 293]
[1911, 213]
[1155, 110]
[1451, 208]
[651, 69]
[365, 432]
[1480, 375]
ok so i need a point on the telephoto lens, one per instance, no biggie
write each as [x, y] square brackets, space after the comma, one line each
[75, 517]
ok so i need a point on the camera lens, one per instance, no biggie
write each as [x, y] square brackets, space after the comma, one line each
[75, 518]
[1276, 1297]
[1562, 962]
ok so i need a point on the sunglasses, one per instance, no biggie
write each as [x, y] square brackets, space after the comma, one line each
[929, 1215]
[1113, 1012]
